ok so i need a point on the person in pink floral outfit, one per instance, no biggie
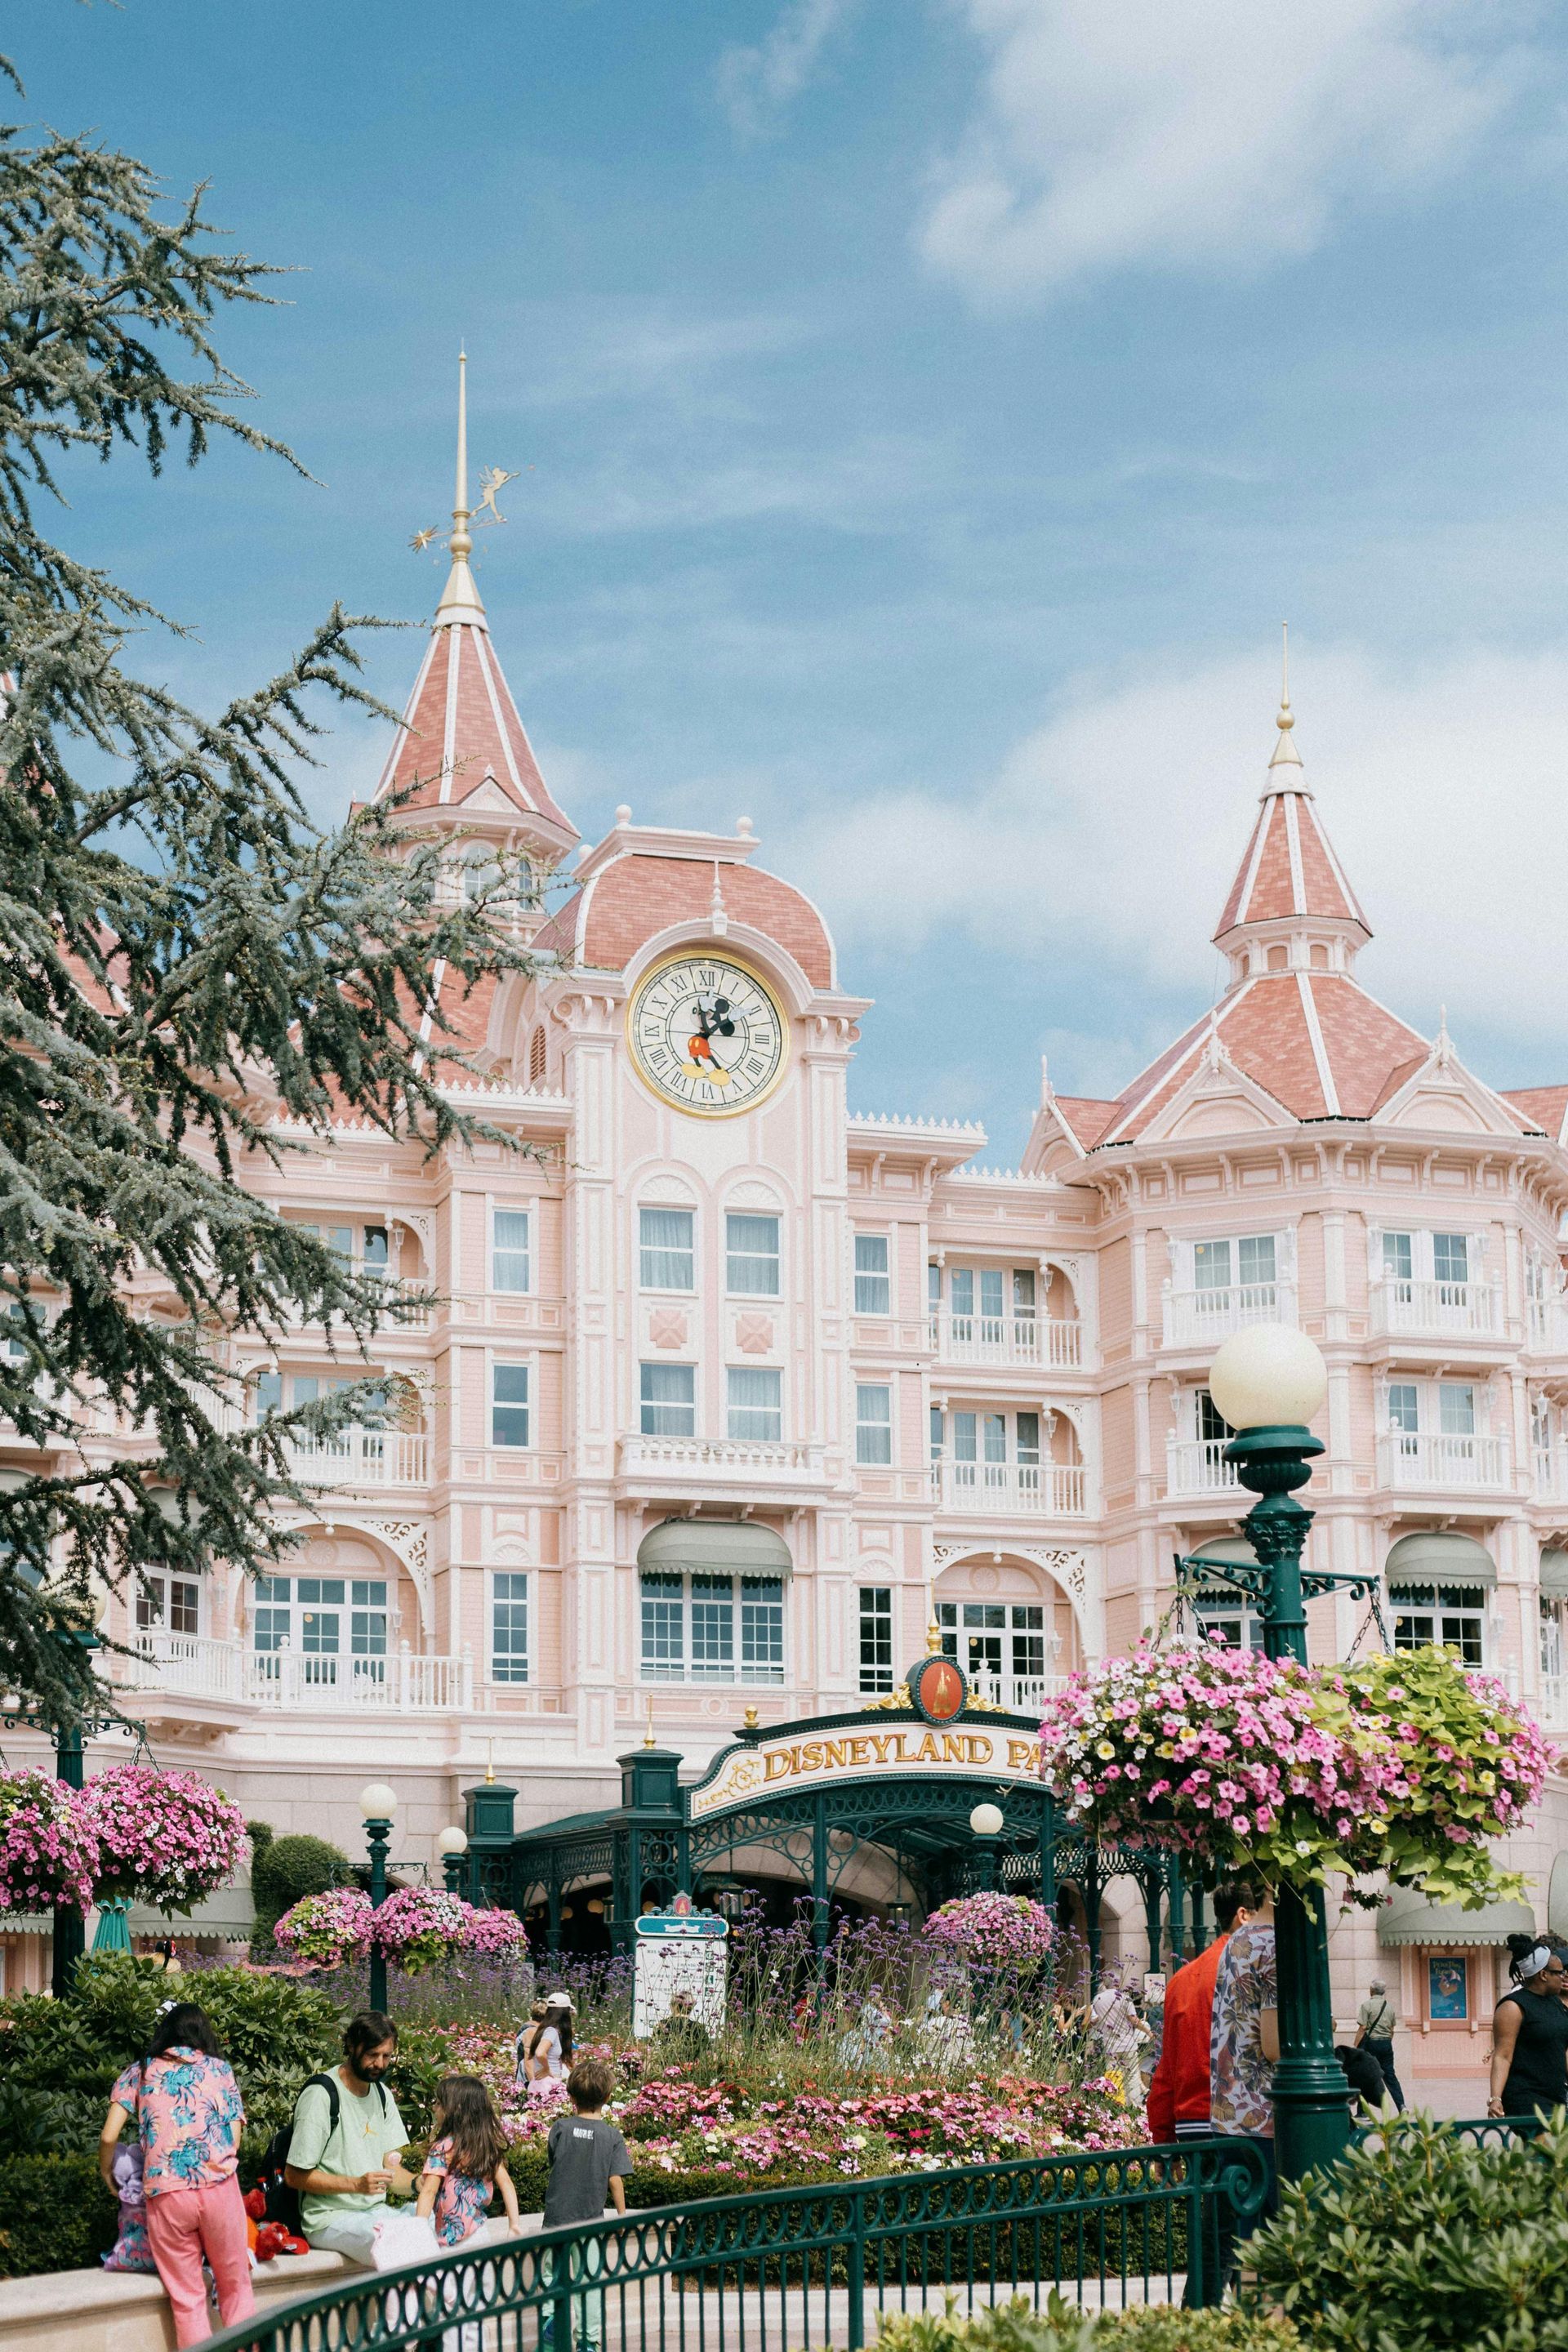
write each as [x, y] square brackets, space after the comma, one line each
[1244, 2045]
[189, 2117]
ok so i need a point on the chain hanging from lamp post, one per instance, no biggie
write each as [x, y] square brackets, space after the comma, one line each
[1267, 1381]
[377, 1804]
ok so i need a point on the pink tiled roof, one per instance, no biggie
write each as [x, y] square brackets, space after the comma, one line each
[1313, 1040]
[605, 922]
[1544, 1107]
[460, 730]
[1288, 869]
[1085, 1116]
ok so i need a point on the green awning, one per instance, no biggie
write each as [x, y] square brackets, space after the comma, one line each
[1409, 1918]
[1439, 1557]
[1554, 1575]
[730, 1547]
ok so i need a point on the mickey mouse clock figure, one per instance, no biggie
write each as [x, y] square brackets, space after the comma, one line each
[707, 1034]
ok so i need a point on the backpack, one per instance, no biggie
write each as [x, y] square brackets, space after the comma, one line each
[282, 2202]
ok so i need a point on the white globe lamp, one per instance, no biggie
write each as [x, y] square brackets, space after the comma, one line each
[985, 1820]
[452, 1841]
[1269, 1377]
[377, 1802]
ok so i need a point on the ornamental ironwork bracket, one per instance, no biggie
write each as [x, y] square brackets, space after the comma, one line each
[85, 1727]
[1194, 1574]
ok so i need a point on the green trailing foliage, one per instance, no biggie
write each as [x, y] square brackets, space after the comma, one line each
[185, 957]
[283, 1871]
[1420, 2241]
[1061, 2327]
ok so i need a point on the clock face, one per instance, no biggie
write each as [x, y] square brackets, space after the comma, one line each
[707, 1034]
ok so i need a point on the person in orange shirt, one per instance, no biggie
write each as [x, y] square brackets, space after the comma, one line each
[1179, 2094]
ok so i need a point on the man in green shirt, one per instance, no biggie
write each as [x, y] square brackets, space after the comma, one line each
[343, 2167]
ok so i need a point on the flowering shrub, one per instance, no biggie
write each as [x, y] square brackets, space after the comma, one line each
[48, 1851]
[998, 1931]
[496, 1934]
[330, 1929]
[1397, 1765]
[419, 1926]
[166, 1837]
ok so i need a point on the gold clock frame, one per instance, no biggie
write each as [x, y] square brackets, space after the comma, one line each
[741, 963]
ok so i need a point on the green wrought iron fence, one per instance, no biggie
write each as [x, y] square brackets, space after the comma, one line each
[793, 2267]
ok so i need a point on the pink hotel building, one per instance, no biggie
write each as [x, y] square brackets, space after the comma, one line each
[732, 1390]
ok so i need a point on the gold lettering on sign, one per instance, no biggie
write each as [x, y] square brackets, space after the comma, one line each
[927, 1752]
[1023, 1755]
[782, 1763]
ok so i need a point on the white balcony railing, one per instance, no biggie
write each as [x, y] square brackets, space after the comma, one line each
[1019, 1693]
[1548, 1322]
[204, 1667]
[1196, 1466]
[1027, 1339]
[1052, 1490]
[1550, 1467]
[1201, 1318]
[1440, 1458]
[1459, 1310]
[728, 1460]
[363, 1458]
[1554, 1702]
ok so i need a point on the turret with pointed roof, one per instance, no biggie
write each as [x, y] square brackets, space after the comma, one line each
[462, 759]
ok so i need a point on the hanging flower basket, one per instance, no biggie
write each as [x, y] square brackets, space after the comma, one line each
[332, 1928]
[995, 1931]
[167, 1839]
[418, 1926]
[48, 1853]
[494, 1935]
[1406, 1766]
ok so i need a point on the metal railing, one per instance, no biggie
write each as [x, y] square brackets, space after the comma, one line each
[1033, 1339]
[809, 2266]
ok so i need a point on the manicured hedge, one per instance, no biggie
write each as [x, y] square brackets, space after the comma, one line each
[1061, 2327]
[55, 2215]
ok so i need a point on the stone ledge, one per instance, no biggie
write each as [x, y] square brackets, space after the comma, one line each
[127, 2311]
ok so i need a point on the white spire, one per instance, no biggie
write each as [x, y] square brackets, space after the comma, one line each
[1285, 752]
[460, 597]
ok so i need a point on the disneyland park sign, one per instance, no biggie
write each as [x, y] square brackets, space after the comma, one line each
[806, 1756]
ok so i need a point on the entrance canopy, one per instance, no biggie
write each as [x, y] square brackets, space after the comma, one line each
[1408, 1917]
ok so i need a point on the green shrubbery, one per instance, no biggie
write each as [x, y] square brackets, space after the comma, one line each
[283, 1871]
[1424, 2242]
[55, 2214]
[1061, 2327]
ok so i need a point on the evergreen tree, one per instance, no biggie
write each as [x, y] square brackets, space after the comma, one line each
[185, 958]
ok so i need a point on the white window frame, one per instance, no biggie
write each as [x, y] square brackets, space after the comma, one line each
[715, 1594]
[523, 1404]
[755, 1257]
[865, 1425]
[872, 1274]
[875, 1623]
[734, 1411]
[495, 1602]
[1476, 1611]
[647, 1404]
[510, 1250]
[152, 1599]
[659, 1249]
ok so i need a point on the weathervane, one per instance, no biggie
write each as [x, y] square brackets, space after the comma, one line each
[492, 480]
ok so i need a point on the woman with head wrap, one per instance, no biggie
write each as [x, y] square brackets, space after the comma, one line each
[1529, 2033]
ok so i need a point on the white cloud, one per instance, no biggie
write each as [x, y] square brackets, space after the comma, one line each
[756, 84]
[1104, 843]
[1211, 134]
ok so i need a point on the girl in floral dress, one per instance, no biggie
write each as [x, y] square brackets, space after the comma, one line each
[189, 2117]
[466, 2163]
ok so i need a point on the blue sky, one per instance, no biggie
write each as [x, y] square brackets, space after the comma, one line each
[926, 412]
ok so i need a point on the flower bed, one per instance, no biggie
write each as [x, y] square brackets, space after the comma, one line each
[1406, 1765]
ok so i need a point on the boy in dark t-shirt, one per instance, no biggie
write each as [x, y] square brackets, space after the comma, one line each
[588, 2160]
[588, 2168]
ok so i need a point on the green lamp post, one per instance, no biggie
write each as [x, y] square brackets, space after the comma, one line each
[1267, 1381]
[986, 1824]
[452, 1845]
[377, 1804]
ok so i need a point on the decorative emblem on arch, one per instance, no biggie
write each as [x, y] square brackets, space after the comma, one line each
[938, 1689]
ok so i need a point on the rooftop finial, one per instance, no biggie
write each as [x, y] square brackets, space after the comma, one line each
[1285, 752]
[460, 597]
